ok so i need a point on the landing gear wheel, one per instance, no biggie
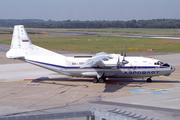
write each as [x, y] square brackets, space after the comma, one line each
[149, 80]
[95, 80]
[101, 80]
[104, 79]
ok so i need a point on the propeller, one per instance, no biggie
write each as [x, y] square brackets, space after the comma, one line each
[118, 62]
[123, 61]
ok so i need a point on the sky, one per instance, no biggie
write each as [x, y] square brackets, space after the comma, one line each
[83, 10]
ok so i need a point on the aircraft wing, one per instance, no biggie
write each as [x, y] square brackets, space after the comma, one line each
[97, 61]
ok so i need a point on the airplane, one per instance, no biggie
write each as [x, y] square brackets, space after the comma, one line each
[100, 66]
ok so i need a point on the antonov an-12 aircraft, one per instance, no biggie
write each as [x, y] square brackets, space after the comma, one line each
[100, 66]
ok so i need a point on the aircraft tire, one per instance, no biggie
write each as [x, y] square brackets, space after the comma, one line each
[95, 80]
[104, 78]
[149, 80]
[101, 80]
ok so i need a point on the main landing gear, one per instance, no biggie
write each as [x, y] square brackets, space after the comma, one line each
[149, 80]
[100, 80]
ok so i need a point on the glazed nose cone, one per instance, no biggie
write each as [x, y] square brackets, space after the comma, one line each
[173, 68]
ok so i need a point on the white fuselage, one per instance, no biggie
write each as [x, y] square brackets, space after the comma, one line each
[137, 67]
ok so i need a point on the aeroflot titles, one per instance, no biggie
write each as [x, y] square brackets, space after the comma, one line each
[142, 72]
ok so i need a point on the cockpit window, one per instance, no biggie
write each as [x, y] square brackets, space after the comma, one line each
[161, 64]
[165, 64]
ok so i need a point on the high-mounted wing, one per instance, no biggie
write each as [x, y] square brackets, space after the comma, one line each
[97, 60]
[101, 54]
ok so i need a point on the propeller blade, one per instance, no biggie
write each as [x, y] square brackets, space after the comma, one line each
[118, 61]
[118, 58]
[124, 61]
[123, 58]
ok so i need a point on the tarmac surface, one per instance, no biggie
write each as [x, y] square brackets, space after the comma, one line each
[27, 90]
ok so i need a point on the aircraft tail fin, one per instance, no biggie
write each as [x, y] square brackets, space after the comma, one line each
[20, 41]
[20, 38]
[21, 46]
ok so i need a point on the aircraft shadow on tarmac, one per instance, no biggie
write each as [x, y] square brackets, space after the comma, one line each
[111, 85]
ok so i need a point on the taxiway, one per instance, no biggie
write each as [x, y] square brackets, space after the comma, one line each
[26, 89]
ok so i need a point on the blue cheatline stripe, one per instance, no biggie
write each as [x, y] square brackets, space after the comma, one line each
[140, 67]
[53, 65]
[65, 67]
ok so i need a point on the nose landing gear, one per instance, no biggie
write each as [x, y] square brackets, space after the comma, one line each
[149, 80]
[102, 80]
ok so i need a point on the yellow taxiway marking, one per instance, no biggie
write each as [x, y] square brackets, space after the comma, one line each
[49, 81]
[170, 78]
[175, 73]
[86, 83]
[91, 83]
[159, 90]
[71, 82]
[62, 82]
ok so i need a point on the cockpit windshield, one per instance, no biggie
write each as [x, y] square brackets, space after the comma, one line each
[161, 64]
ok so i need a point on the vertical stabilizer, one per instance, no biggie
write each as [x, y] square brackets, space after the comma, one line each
[15, 44]
[20, 38]
[21, 45]
[20, 42]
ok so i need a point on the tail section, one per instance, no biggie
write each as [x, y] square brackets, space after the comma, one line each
[20, 42]
[22, 47]
[20, 38]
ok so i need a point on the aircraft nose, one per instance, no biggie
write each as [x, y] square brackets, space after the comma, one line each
[173, 68]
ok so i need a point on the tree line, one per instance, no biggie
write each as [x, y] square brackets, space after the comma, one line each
[37, 23]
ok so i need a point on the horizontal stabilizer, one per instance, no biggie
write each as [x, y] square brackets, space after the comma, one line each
[15, 53]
